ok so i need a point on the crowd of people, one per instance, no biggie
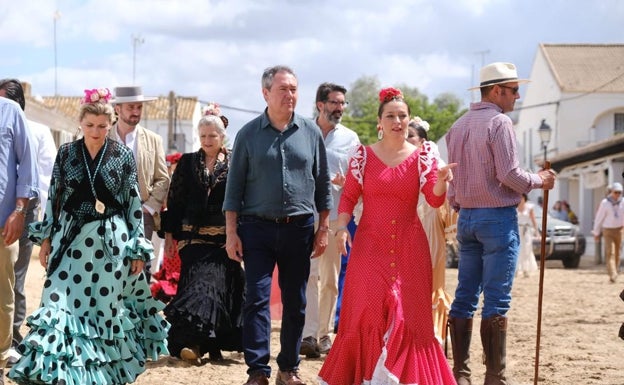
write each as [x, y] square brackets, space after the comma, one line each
[286, 195]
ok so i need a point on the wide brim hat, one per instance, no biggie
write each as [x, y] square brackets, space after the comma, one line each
[498, 73]
[130, 94]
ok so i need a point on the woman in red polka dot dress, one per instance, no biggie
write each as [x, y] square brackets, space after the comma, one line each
[386, 328]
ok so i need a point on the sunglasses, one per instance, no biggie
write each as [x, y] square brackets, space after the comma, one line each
[514, 90]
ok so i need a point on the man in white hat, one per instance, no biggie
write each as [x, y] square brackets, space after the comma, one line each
[609, 223]
[148, 151]
[486, 188]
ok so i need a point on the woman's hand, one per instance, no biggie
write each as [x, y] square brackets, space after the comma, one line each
[342, 239]
[170, 246]
[446, 173]
[136, 266]
[44, 253]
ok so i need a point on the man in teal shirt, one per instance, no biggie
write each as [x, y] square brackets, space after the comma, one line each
[278, 176]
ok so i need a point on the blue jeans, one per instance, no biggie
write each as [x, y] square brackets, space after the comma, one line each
[489, 243]
[290, 246]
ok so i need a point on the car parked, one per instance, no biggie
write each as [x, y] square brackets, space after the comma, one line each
[564, 241]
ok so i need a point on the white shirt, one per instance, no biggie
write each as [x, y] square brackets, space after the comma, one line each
[609, 215]
[130, 141]
[45, 148]
[340, 144]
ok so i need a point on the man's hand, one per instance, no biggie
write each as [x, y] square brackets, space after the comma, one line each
[234, 247]
[339, 179]
[548, 178]
[13, 228]
[320, 241]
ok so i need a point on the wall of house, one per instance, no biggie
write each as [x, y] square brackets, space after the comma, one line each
[63, 129]
[538, 102]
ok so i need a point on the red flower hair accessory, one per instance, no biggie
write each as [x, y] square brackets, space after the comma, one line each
[173, 158]
[388, 94]
[96, 95]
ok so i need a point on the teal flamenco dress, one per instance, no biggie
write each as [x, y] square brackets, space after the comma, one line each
[97, 324]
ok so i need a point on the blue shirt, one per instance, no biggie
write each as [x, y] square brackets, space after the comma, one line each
[278, 174]
[18, 178]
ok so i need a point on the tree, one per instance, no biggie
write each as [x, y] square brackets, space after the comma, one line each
[361, 116]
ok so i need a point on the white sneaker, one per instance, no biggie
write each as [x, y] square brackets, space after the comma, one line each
[14, 356]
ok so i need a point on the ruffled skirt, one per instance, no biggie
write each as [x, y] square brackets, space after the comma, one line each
[207, 309]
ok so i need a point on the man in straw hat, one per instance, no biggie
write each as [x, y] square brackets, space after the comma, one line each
[487, 185]
[148, 153]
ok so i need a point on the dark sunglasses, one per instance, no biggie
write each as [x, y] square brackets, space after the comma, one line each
[514, 90]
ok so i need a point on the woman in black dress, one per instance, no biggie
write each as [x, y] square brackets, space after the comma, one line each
[205, 314]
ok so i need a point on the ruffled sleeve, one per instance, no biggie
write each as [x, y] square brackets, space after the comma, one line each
[354, 182]
[139, 248]
[428, 167]
[38, 231]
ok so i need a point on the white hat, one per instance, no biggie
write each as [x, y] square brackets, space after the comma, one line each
[617, 186]
[498, 73]
[130, 94]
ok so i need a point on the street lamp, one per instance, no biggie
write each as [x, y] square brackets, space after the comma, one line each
[544, 132]
[57, 15]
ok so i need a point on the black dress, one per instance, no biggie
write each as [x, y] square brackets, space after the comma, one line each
[206, 310]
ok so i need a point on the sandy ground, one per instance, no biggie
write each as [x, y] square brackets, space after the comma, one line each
[581, 316]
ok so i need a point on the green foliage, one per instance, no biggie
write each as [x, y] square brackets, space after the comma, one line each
[361, 116]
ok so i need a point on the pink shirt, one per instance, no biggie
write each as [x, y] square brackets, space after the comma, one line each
[483, 143]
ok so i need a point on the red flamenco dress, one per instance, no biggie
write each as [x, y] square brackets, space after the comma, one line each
[166, 285]
[386, 333]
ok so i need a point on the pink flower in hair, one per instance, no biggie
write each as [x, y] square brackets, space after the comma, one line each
[97, 95]
[212, 108]
[387, 94]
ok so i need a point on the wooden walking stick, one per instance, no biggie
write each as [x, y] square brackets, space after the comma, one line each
[544, 232]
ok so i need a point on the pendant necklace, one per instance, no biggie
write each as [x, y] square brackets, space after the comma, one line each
[99, 205]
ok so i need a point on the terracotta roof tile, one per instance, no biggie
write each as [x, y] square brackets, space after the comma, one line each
[587, 67]
[155, 110]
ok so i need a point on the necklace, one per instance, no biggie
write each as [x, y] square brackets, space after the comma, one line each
[99, 206]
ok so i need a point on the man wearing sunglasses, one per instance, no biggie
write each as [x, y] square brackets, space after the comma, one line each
[486, 189]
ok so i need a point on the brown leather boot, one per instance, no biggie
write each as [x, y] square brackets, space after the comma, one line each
[461, 334]
[494, 340]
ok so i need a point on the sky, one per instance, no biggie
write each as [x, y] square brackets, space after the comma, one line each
[216, 50]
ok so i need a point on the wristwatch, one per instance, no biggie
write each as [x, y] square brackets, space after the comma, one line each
[20, 210]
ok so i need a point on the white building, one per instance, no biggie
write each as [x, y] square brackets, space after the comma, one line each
[578, 90]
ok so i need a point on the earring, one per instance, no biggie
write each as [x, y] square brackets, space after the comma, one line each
[380, 134]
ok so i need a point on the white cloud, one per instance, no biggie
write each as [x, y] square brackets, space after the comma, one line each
[216, 50]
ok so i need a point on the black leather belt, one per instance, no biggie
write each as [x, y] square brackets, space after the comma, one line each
[288, 219]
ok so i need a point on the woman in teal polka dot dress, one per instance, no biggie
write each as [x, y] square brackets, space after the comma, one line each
[97, 323]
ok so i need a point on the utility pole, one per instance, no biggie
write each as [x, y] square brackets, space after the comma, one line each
[57, 15]
[171, 143]
[136, 40]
